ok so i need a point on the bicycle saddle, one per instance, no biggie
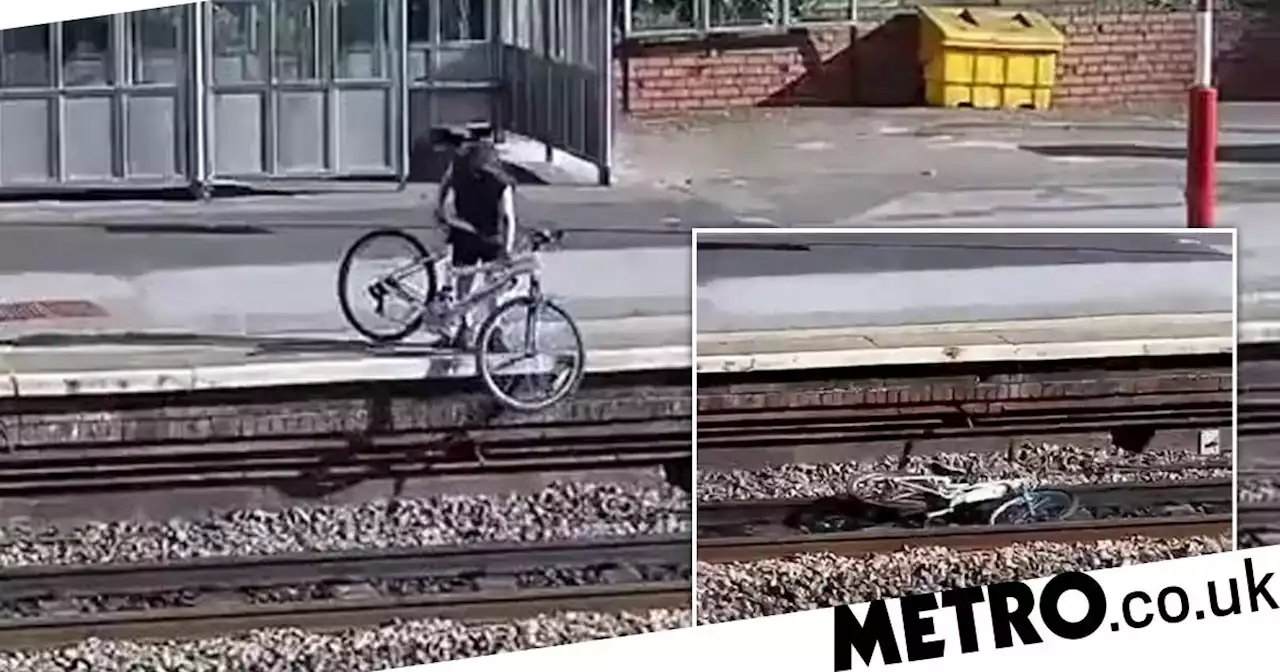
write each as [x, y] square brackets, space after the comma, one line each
[447, 137]
[939, 469]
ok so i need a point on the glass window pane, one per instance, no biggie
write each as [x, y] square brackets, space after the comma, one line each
[528, 20]
[822, 10]
[157, 49]
[239, 40]
[297, 32]
[420, 18]
[26, 57]
[463, 20]
[86, 52]
[739, 13]
[362, 42]
[649, 15]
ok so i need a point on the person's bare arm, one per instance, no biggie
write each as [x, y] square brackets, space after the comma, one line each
[508, 219]
[444, 194]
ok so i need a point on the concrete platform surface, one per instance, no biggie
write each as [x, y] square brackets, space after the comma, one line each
[50, 371]
[209, 326]
[987, 294]
[1025, 340]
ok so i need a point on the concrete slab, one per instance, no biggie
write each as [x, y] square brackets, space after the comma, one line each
[832, 359]
[47, 376]
[301, 300]
[1190, 328]
[877, 299]
[52, 371]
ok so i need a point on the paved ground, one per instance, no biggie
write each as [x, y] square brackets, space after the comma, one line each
[756, 255]
[264, 264]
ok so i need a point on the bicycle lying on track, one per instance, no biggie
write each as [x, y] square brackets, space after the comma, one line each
[936, 497]
[425, 285]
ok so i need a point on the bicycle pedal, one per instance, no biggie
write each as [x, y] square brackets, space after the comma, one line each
[379, 296]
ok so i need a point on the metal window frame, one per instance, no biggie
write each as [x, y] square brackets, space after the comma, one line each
[704, 28]
[120, 89]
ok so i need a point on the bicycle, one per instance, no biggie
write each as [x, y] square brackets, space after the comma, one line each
[938, 496]
[433, 305]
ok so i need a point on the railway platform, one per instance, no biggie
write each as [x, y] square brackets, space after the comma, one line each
[207, 328]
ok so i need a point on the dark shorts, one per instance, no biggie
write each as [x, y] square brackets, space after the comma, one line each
[469, 250]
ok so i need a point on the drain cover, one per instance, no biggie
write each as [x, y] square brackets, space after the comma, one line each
[46, 310]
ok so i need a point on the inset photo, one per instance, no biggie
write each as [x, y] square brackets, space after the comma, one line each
[1258, 387]
[888, 412]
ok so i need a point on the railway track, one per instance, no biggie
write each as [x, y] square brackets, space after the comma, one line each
[1098, 501]
[963, 402]
[488, 564]
[341, 433]
[201, 622]
[744, 549]
[1258, 525]
[1258, 434]
[473, 582]
[264, 462]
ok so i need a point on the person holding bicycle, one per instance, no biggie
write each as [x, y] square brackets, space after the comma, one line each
[476, 203]
[476, 207]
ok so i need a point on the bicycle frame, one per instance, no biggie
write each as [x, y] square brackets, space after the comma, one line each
[956, 496]
[512, 269]
[925, 485]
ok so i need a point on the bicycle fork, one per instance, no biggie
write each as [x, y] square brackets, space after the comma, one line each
[531, 321]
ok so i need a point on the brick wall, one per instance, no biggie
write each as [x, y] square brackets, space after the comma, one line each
[791, 69]
[1118, 53]
[1118, 58]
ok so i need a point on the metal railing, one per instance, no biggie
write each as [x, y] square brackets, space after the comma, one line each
[695, 18]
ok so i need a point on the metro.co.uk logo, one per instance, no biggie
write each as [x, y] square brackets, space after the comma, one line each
[1001, 615]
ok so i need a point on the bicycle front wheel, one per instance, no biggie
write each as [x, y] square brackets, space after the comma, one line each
[519, 342]
[1036, 506]
[384, 281]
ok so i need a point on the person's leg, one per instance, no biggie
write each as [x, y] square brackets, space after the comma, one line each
[493, 273]
[465, 258]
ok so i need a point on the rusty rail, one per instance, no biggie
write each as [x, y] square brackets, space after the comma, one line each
[167, 624]
[736, 549]
[490, 561]
[1258, 524]
[127, 467]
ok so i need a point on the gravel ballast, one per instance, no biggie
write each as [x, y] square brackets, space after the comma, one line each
[735, 591]
[560, 512]
[356, 650]
[1049, 463]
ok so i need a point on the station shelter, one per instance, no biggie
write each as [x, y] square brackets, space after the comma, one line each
[254, 91]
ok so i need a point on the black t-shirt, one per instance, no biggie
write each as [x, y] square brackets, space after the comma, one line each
[479, 181]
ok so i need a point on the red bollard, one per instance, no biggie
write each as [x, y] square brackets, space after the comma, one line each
[1202, 157]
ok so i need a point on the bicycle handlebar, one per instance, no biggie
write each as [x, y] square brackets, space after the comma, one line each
[540, 238]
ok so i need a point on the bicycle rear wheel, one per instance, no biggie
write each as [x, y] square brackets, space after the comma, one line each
[382, 296]
[520, 332]
[1036, 506]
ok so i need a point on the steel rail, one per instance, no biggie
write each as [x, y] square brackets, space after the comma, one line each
[1093, 495]
[737, 431]
[128, 467]
[1266, 515]
[491, 561]
[737, 549]
[195, 623]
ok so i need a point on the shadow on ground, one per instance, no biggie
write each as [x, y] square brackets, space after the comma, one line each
[1251, 153]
